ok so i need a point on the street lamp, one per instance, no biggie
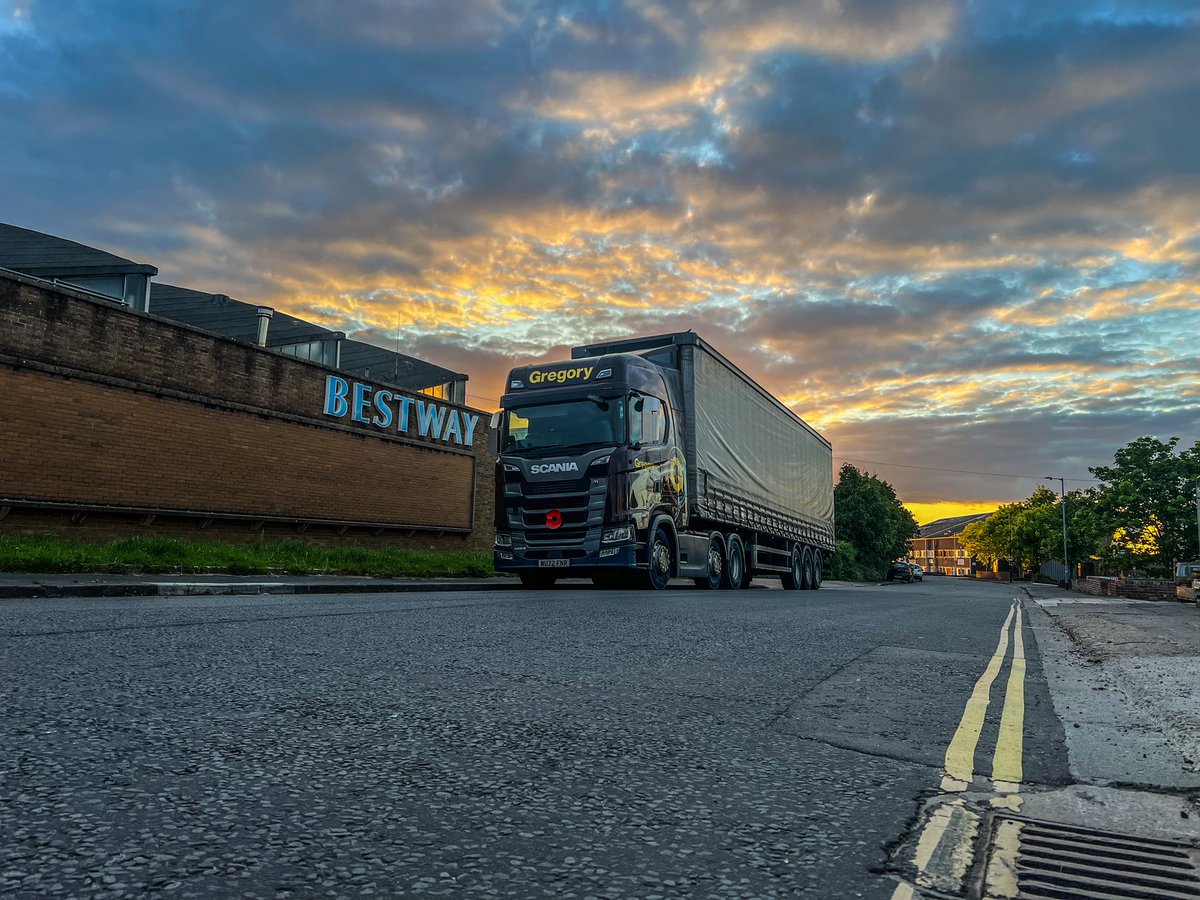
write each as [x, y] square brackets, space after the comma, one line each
[1062, 487]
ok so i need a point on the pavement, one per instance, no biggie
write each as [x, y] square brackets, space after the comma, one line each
[1125, 676]
[20, 585]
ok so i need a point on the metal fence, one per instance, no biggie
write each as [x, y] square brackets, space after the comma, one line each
[1055, 569]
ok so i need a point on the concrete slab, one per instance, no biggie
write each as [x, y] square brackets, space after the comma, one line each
[1128, 720]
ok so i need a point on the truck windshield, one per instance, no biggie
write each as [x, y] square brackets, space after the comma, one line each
[575, 424]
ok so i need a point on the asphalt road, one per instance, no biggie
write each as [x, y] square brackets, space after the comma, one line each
[571, 743]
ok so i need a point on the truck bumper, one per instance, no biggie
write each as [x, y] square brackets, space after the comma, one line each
[620, 557]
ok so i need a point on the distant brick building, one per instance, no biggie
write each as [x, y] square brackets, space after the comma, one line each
[115, 421]
[937, 549]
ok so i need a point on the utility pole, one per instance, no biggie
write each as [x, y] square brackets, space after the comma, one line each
[1062, 488]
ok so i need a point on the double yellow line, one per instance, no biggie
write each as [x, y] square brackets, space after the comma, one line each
[1006, 762]
[944, 850]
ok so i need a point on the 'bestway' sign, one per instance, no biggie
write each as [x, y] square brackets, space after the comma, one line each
[385, 409]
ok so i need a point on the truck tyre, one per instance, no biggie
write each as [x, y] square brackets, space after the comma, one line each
[538, 581]
[658, 559]
[818, 572]
[735, 563]
[806, 567]
[748, 569]
[716, 564]
[791, 579]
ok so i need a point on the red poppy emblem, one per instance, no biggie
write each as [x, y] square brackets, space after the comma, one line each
[553, 519]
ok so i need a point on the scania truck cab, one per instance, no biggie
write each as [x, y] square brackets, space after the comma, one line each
[589, 461]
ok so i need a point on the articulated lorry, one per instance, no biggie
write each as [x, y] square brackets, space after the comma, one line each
[641, 460]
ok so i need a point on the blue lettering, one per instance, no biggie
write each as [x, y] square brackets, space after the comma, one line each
[452, 428]
[362, 402]
[429, 417]
[335, 396]
[471, 422]
[405, 404]
[384, 418]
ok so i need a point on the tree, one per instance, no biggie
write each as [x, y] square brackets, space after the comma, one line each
[1087, 534]
[1147, 503]
[1026, 533]
[990, 539]
[872, 521]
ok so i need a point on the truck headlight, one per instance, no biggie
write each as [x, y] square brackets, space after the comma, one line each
[620, 533]
[503, 539]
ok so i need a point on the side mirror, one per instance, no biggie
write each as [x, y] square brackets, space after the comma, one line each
[494, 434]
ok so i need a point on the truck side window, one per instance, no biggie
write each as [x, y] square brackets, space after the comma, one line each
[648, 423]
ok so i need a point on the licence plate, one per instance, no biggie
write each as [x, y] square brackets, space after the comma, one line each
[553, 563]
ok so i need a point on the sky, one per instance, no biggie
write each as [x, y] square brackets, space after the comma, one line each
[961, 239]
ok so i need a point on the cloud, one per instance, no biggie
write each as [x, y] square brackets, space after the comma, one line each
[952, 232]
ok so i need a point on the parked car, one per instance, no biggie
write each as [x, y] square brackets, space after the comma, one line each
[918, 573]
[900, 570]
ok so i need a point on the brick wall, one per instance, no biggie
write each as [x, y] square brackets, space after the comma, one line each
[1133, 588]
[127, 415]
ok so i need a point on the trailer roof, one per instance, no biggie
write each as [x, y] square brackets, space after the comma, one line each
[634, 345]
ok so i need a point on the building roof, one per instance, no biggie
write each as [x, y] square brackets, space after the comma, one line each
[236, 319]
[950, 527]
[379, 364]
[46, 256]
[231, 318]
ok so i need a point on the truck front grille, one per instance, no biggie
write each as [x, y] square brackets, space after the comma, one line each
[580, 501]
[539, 488]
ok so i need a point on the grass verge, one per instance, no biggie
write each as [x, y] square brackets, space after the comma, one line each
[50, 553]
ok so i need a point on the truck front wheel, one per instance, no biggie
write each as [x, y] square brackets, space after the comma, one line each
[735, 563]
[658, 556]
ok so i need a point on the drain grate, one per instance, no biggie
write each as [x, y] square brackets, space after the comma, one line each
[1032, 859]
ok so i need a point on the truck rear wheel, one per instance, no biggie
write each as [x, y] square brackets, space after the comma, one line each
[818, 573]
[716, 565]
[792, 578]
[735, 563]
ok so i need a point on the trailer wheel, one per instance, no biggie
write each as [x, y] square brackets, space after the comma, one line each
[792, 578]
[806, 567]
[818, 571]
[716, 565]
[748, 571]
[658, 558]
[735, 563]
[538, 581]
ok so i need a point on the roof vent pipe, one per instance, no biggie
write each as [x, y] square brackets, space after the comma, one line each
[264, 314]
